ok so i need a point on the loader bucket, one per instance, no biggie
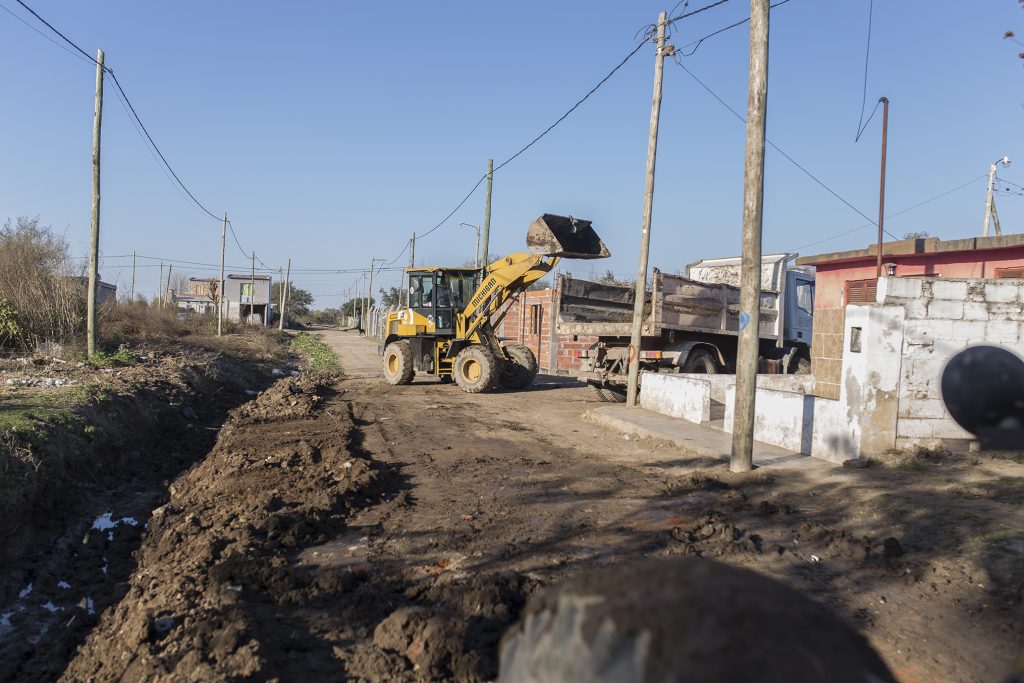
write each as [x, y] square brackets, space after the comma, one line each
[566, 237]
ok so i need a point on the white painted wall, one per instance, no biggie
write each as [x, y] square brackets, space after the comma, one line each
[684, 396]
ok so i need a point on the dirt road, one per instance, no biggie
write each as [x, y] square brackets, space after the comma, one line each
[351, 529]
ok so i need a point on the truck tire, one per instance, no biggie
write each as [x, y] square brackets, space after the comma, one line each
[398, 363]
[701, 361]
[476, 369]
[609, 393]
[521, 368]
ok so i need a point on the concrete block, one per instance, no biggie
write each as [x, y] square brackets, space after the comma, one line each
[1006, 311]
[952, 290]
[916, 308]
[941, 309]
[903, 287]
[914, 428]
[929, 329]
[1002, 331]
[1001, 292]
[948, 429]
[975, 310]
[931, 408]
[969, 330]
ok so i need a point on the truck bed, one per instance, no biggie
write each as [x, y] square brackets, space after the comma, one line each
[675, 303]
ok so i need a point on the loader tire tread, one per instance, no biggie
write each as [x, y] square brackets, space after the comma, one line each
[521, 369]
[399, 367]
[476, 369]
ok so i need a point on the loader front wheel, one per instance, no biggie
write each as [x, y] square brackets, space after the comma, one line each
[398, 363]
[475, 369]
[521, 368]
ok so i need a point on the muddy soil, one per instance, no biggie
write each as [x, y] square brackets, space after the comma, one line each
[68, 532]
[351, 530]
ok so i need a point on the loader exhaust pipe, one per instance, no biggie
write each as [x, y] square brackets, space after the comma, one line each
[565, 237]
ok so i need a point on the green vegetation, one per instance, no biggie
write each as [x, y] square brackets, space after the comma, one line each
[320, 356]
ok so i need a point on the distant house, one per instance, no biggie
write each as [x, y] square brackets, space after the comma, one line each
[106, 293]
[245, 298]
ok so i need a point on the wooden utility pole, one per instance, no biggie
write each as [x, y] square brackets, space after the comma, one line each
[131, 292]
[750, 275]
[284, 294]
[645, 223]
[487, 213]
[220, 289]
[252, 289]
[94, 241]
[881, 186]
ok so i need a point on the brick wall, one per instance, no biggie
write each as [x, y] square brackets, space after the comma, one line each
[827, 350]
[531, 321]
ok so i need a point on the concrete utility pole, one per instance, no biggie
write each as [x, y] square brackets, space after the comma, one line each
[477, 228]
[220, 289]
[750, 276]
[990, 200]
[131, 292]
[94, 241]
[252, 289]
[284, 294]
[369, 296]
[159, 285]
[487, 213]
[645, 224]
[881, 186]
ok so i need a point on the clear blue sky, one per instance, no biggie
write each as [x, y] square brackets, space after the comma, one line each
[331, 131]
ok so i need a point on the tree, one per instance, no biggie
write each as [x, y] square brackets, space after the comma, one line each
[353, 306]
[392, 296]
[299, 300]
[609, 278]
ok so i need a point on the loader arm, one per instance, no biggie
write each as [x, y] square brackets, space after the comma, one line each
[503, 280]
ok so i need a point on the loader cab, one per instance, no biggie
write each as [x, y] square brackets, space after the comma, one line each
[439, 294]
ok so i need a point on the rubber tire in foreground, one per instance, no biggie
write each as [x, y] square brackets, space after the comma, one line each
[521, 368]
[398, 363]
[476, 369]
[609, 394]
[701, 361]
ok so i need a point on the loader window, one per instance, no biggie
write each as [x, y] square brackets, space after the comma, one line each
[421, 291]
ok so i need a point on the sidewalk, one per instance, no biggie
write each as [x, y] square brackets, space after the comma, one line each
[701, 441]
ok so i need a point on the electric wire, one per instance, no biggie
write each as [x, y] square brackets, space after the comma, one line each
[778, 149]
[892, 215]
[697, 43]
[63, 47]
[861, 123]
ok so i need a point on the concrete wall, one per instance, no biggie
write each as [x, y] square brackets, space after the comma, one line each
[944, 316]
[684, 396]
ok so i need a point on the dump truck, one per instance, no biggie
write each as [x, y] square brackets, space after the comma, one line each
[447, 329]
[690, 322]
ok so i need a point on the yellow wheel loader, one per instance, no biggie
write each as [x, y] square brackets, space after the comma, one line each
[448, 327]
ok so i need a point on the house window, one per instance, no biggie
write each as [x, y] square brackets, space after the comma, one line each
[861, 291]
[1014, 272]
[535, 318]
[246, 289]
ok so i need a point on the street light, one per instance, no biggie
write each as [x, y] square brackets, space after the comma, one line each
[990, 204]
[477, 228]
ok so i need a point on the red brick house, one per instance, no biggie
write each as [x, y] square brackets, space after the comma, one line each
[531, 320]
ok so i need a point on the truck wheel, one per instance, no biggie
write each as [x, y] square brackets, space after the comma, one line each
[520, 369]
[610, 393]
[702, 362]
[398, 363]
[476, 369]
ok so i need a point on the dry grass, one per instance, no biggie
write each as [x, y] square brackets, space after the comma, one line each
[40, 280]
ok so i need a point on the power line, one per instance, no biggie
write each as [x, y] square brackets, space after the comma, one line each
[893, 215]
[779, 150]
[697, 43]
[63, 47]
[705, 8]
[64, 37]
[864, 92]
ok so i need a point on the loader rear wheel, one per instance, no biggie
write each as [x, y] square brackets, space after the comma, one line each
[475, 370]
[521, 368]
[398, 363]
